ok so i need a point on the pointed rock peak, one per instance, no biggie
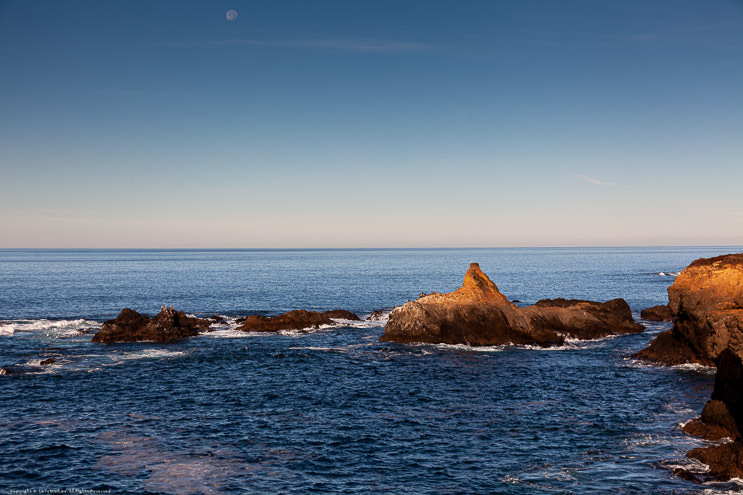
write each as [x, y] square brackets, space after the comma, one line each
[477, 284]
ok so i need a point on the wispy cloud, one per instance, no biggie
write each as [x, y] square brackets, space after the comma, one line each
[591, 180]
[347, 45]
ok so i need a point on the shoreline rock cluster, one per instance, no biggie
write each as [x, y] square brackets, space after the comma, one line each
[478, 314]
[706, 306]
[170, 325]
[166, 326]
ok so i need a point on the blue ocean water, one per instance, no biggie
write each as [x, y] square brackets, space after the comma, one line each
[334, 410]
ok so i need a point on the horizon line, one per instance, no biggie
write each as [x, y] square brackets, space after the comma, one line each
[409, 248]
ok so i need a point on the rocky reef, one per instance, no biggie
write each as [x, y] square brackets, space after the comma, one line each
[706, 304]
[297, 319]
[478, 314]
[657, 313]
[166, 326]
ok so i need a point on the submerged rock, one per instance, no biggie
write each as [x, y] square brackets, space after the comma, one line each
[166, 326]
[706, 304]
[657, 313]
[478, 314]
[297, 319]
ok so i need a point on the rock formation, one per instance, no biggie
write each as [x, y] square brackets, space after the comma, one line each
[379, 314]
[341, 314]
[297, 319]
[657, 313]
[722, 419]
[478, 314]
[166, 326]
[706, 303]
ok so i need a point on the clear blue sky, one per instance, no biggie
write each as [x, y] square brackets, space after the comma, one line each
[371, 124]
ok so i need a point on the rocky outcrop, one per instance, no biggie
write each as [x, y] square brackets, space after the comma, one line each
[722, 419]
[297, 319]
[341, 314]
[706, 304]
[722, 416]
[379, 314]
[166, 326]
[478, 314]
[657, 313]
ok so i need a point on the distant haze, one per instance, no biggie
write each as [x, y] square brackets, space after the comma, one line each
[371, 124]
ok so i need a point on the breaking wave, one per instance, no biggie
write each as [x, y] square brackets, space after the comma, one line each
[58, 328]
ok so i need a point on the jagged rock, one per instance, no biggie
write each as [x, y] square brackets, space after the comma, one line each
[584, 319]
[722, 417]
[378, 314]
[657, 313]
[706, 303]
[297, 319]
[46, 362]
[166, 326]
[725, 461]
[341, 314]
[668, 350]
[478, 314]
[715, 423]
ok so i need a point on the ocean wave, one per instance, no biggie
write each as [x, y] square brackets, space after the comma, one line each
[360, 323]
[637, 363]
[57, 328]
[569, 345]
[150, 354]
[695, 367]
[668, 274]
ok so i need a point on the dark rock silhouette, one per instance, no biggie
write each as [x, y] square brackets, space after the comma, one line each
[478, 314]
[722, 418]
[166, 326]
[657, 313]
[341, 314]
[46, 362]
[297, 319]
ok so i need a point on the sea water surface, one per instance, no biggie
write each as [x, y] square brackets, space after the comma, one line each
[333, 409]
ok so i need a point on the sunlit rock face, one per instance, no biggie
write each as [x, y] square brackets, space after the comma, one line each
[478, 314]
[706, 304]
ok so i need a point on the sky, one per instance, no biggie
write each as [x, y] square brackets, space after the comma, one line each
[417, 123]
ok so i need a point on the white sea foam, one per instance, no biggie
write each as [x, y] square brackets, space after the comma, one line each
[691, 465]
[669, 274]
[360, 323]
[465, 347]
[710, 370]
[382, 317]
[636, 363]
[55, 328]
[151, 354]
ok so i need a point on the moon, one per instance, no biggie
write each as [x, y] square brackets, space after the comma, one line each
[231, 15]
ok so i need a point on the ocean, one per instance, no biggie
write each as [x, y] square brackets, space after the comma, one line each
[334, 410]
